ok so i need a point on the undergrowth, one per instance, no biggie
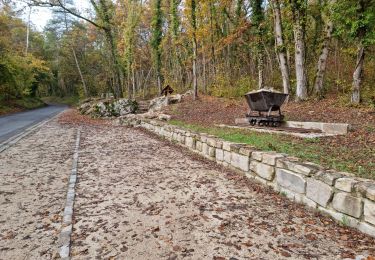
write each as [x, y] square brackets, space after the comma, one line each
[68, 100]
[24, 103]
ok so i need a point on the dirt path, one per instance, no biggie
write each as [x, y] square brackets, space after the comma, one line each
[140, 198]
[33, 181]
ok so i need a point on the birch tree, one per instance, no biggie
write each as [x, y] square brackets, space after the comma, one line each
[280, 46]
[355, 20]
[299, 9]
[322, 61]
[257, 21]
[193, 24]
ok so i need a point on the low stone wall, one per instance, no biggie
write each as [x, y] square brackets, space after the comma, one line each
[343, 196]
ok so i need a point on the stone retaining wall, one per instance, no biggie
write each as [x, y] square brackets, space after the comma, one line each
[343, 196]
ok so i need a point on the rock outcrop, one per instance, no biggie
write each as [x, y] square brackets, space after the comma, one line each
[108, 107]
[159, 103]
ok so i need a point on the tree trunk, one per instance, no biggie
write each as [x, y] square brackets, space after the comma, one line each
[204, 75]
[358, 72]
[75, 58]
[280, 47]
[195, 47]
[195, 79]
[130, 91]
[116, 64]
[103, 12]
[301, 91]
[299, 16]
[80, 74]
[159, 83]
[133, 83]
[357, 75]
[28, 32]
[257, 20]
[212, 41]
[260, 69]
[322, 62]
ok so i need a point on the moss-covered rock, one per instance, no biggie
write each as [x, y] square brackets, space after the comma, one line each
[109, 107]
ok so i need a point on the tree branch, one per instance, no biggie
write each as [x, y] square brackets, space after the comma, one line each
[59, 4]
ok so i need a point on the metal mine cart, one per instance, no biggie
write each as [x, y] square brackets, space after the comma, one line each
[262, 103]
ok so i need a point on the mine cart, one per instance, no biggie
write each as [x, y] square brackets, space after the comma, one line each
[262, 103]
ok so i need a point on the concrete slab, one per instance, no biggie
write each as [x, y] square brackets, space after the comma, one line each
[319, 129]
[279, 131]
[328, 128]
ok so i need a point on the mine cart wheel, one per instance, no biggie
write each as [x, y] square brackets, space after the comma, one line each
[261, 123]
[266, 123]
[253, 122]
[275, 124]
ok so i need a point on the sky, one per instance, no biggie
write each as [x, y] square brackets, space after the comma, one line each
[40, 15]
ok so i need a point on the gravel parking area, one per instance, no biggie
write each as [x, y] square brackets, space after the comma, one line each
[141, 198]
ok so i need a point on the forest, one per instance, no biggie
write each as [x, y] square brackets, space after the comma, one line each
[225, 48]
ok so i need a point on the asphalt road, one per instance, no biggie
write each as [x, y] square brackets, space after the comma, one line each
[14, 124]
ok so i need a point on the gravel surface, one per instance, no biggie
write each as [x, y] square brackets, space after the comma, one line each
[141, 198]
[33, 181]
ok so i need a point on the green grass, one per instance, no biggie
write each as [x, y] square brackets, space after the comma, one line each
[24, 103]
[69, 100]
[312, 150]
[261, 141]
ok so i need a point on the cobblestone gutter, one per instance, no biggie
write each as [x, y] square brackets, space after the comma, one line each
[343, 196]
[67, 227]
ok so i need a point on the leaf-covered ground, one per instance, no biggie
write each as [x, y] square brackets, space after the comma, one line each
[354, 152]
[33, 181]
[141, 198]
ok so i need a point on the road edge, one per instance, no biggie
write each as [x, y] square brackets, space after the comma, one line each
[15, 139]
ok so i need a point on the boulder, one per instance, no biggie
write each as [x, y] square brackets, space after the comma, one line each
[164, 117]
[125, 106]
[159, 103]
[149, 115]
[108, 107]
[84, 108]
